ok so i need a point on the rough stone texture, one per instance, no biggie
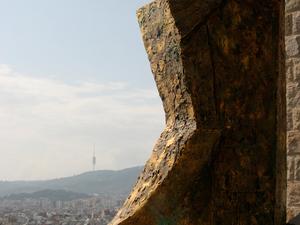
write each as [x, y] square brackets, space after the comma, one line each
[221, 160]
[292, 32]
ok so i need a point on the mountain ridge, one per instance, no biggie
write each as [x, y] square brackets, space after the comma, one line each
[106, 182]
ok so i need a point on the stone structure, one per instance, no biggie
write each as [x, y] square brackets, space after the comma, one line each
[292, 30]
[219, 69]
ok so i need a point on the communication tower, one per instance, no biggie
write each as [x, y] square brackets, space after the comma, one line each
[94, 159]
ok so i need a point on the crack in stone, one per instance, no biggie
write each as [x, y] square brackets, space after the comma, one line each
[205, 19]
[211, 52]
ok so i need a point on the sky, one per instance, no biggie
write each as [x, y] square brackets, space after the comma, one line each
[74, 73]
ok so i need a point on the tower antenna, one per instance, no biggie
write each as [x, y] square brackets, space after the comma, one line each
[94, 158]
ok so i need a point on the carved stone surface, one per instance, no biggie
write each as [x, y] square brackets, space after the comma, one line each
[221, 160]
[292, 32]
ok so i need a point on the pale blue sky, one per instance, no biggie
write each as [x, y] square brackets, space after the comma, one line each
[74, 73]
[74, 39]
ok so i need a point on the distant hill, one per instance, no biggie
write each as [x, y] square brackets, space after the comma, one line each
[102, 182]
[53, 195]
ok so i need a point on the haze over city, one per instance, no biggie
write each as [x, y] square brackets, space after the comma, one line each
[73, 74]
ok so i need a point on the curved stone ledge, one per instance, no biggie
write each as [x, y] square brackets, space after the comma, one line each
[219, 69]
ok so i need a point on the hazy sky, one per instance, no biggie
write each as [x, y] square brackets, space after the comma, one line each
[74, 73]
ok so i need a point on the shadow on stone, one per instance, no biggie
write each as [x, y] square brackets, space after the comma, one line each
[295, 220]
